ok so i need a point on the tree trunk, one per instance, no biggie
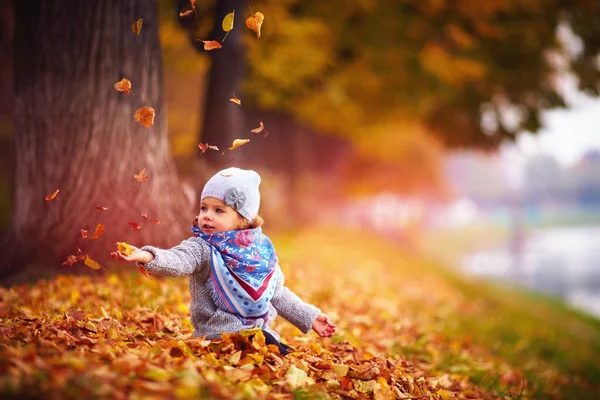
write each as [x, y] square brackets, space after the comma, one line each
[224, 120]
[76, 133]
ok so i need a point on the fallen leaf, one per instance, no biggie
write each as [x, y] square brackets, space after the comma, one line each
[136, 226]
[259, 129]
[70, 260]
[53, 195]
[255, 22]
[237, 143]
[91, 263]
[98, 232]
[100, 208]
[235, 100]
[227, 24]
[207, 146]
[144, 271]
[137, 26]
[145, 116]
[124, 248]
[83, 234]
[211, 44]
[124, 85]
[140, 177]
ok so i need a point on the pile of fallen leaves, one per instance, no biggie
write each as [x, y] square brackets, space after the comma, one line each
[120, 335]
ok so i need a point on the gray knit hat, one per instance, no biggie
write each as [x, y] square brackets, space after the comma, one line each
[238, 188]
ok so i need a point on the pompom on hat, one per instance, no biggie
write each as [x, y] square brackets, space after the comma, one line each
[238, 188]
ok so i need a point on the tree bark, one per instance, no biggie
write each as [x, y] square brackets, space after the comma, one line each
[76, 133]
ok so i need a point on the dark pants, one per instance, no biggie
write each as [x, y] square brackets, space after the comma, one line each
[283, 348]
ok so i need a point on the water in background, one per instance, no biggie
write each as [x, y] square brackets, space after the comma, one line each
[562, 261]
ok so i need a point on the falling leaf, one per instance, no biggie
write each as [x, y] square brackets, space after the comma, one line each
[98, 232]
[193, 3]
[140, 177]
[259, 129]
[100, 208]
[227, 24]
[237, 143]
[52, 196]
[136, 226]
[211, 44]
[235, 100]
[124, 85]
[266, 133]
[91, 263]
[83, 233]
[154, 221]
[186, 13]
[144, 271]
[145, 216]
[255, 22]
[124, 248]
[137, 26]
[145, 116]
[207, 146]
[70, 260]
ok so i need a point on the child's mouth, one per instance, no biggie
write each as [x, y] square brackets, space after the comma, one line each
[207, 227]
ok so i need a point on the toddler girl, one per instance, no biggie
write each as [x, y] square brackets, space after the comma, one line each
[235, 279]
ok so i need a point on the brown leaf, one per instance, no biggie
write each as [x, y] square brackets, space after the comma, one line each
[70, 260]
[124, 85]
[211, 44]
[137, 26]
[207, 146]
[53, 195]
[145, 116]
[255, 22]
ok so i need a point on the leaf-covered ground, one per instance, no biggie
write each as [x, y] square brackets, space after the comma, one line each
[406, 329]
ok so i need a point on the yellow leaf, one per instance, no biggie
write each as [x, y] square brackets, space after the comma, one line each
[137, 26]
[237, 143]
[227, 23]
[295, 378]
[124, 85]
[145, 116]
[235, 100]
[255, 22]
[124, 248]
[91, 263]
[443, 394]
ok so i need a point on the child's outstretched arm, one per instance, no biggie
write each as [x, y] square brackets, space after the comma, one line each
[323, 326]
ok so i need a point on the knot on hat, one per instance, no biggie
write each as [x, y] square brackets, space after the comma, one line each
[235, 198]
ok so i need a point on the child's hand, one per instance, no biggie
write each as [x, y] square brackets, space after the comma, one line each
[323, 326]
[136, 255]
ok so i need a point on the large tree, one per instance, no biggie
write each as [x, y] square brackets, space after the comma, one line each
[76, 133]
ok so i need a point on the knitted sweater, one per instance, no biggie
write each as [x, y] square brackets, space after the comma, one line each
[192, 258]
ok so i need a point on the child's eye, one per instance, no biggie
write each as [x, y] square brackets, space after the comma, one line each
[203, 208]
[219, 210]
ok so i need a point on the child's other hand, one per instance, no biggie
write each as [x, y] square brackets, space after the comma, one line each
[323, 326]
[136, 255]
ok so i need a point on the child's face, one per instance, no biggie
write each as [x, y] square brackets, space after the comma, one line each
[215, 216]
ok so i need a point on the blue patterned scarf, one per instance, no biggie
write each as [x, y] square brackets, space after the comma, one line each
[242, 270]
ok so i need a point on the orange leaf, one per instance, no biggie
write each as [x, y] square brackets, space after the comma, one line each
[91, 263]
[145, 116]
[186, 13]
[140, 177]
[207, 146]
[136, 226]
[255, 22]
[154, 221]
[259, 129]
[193, 3]
[235, 100]
[237, 143]
[211, 44]
[124, 85]
[144, 271]
[83, 234]
[100, 208]
[99, 230]
[70, 260]
[137, 26]
[52, 196]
